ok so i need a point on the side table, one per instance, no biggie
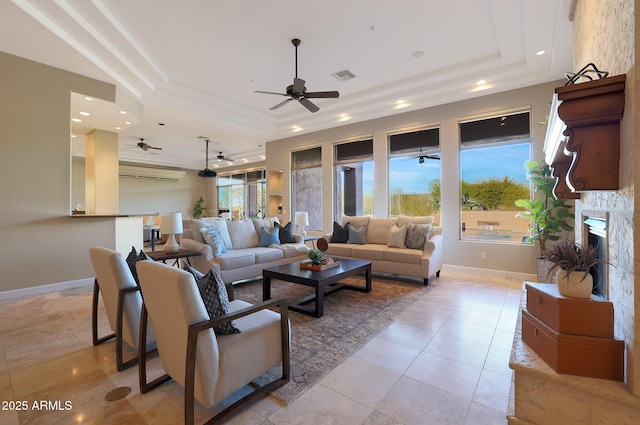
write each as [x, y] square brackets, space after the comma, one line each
[164, 256]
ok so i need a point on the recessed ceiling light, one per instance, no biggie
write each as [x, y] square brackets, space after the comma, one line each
[296, 128]
[127, 122]
[160, 123]
[88, 98]
[481, 82]
[540, 52]
[73, 136]
[118, 128]
[76, 120]
[123, 112]
[344, 117]
[86, 114]
[417, 54]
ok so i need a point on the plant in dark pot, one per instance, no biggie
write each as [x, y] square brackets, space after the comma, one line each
[549, 216]
[316, 256]
[571, 262]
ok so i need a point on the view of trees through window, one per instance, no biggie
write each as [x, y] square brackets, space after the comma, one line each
[353, 178]
[414, 173]
[492, 176]
[242, 195]
[306, 185]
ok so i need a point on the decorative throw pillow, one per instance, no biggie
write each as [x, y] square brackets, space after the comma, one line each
[213, 238]
[269, 237]
[397, 236]
[340, 234]
[132, 259]
[285, 233]
[215, 298]
[357, 236]
[417, 235]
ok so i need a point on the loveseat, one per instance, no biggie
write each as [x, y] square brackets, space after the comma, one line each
[240, 249]
[386, 243]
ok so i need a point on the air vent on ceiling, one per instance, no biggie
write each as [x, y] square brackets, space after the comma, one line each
[345, 75]
[150, 173]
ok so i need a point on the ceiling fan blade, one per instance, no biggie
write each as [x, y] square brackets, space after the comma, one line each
[270, 92]
[280, 104]
[309, 105]
[153, 147]
[322, 94]
[298, 85]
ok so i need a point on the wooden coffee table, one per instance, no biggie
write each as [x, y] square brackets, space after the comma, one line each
[324, 281]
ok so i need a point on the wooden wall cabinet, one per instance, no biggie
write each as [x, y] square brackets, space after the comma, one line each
[589, 157]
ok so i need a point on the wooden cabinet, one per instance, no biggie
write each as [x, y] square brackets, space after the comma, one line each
[588, 157]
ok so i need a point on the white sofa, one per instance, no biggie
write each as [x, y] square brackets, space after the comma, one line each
[388, 259]
[244, 259]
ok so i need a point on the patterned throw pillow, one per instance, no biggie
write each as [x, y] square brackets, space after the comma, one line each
[132, 259]
[213, 238]
[357, 236]
[340, 234]
[397, 236]
[417, 235]
[269, 237]
[285, 233]
[215, 298]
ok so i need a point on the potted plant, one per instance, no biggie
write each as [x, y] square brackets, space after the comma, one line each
[198, 208]
[549, 216]
[316, 256]
[572, 262]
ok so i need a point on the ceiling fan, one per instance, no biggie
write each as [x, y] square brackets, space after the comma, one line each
[421, 158]
[223, 158]
[297, 91]
[207, 172]
[145, 146]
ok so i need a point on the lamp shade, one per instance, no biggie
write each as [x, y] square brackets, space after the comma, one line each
[302, 218]
[171, 224]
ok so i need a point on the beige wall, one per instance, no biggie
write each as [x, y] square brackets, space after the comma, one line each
[510, 258]
[39, 243]
[604, 34]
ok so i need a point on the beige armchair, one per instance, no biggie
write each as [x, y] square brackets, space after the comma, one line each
[208, 366]
[122, 302]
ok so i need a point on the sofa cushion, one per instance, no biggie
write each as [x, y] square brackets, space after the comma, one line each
[236, 258]
[132, 259]
[217, 223]
[356, 221]
[378, 229]
[417, 235]
[269, 237]
[266, 255]
[339, 249]
[369, 251]
[213, 238]
[267, 222]
[397, 236]
[357, 235]
[293, 249]
[285, 233]
[214, 296]
[243, 234]
[405, 219]
[403, 255]
[340, 233]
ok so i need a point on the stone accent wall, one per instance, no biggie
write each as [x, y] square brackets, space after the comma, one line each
[604, 34]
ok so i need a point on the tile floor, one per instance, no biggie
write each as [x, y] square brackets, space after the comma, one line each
[443, 361]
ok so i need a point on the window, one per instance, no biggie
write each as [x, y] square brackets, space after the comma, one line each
[306, 185]
[242, 195]
[353, 178]
[492, 176]
[414, 173]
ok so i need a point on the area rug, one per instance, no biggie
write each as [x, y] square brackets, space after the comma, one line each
[350, 320]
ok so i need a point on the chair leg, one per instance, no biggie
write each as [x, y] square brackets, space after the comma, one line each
[145, 386]
[120, 363]
[94, 317]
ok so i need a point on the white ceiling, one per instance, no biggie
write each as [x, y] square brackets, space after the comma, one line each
[195, 64]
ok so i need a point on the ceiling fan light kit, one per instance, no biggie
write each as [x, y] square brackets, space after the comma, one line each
[298, 91]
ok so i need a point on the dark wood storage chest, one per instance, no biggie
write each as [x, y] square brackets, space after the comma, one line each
[574, 316]
[574, 354]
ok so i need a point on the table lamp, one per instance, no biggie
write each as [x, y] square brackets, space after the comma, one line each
[171, 225]
[301, 220]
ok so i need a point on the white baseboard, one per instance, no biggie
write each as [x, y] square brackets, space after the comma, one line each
[501, 273]
[44, 289]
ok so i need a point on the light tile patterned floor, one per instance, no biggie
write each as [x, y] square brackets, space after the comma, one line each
[443, 361]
